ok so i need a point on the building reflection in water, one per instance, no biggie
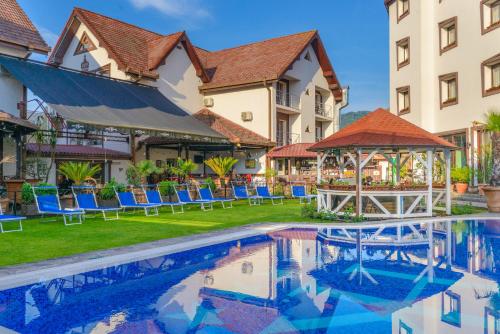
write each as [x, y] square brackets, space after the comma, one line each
[408, 278]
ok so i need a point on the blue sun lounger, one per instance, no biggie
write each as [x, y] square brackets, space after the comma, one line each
[49, 204]
[10, 218]
[87, 202]
[298, 190]
[240, 192]
[207, 195]
[127, 200]
[185, 198]
[264, 193]
[153, 196]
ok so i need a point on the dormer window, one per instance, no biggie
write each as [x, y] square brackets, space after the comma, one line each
[403, 52]
[85, 45]
[403, 8]
[448, 35]
[490, 15]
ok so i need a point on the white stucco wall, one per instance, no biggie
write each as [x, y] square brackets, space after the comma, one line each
[178, 81]
[96, 58]
[11, 93]
[426, 63]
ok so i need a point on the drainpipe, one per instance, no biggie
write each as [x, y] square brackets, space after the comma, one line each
[344, 103]
[269, 118]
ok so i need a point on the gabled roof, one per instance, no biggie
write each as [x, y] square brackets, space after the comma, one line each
[237, 134]
[292, 151]
[136, 50]
[17, 29]
[381, 128]
[264, 61]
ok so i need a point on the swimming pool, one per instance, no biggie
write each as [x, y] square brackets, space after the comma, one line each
[409, 279]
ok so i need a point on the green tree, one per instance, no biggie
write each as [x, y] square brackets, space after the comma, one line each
[493, 127]
[79, 172]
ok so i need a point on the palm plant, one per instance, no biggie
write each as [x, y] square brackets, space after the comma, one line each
[221, 165]
[184, 168]
[78, 172]
[493, 127]
[141, 171]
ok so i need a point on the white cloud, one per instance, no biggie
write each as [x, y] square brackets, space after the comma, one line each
[48, 36]
[181, 9]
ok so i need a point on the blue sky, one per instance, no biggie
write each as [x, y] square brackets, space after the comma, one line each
[355, 32]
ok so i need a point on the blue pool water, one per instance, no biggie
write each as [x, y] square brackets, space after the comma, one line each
[420, 279]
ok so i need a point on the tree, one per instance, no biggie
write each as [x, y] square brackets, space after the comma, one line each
[184, 168]
[493, 127]
[78, 172]
[221, 165]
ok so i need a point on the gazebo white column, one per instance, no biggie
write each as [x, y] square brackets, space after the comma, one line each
[429, 167]
[447, 159]
[359, 183]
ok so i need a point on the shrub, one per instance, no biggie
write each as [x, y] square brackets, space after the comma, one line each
[461, 174]
[27, 192]
[167, 188]
[210, 183]
[108, 191]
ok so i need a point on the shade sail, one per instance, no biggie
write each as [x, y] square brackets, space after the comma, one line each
[89, 99]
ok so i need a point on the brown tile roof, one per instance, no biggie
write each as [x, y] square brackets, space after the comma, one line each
[265, 60]
[135, 50]
[237, 134]
[16, 28]
[292, 151]
[381, 128]
[78, 151]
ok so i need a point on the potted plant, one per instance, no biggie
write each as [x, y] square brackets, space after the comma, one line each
[461, 177]
[28, 205]
[167, 189]
[107, 196]
[183, 169]
[139, 173]
[222, 167]
[78, 173]
[492, 192]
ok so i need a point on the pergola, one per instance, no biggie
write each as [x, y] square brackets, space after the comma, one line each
[398, 141]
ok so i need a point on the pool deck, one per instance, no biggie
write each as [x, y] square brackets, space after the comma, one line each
[29, 273]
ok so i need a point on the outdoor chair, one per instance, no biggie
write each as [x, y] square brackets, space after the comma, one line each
[49, 204]
[87, 201]
[10, 218]
[264, 193]
[127, 200]
[184, 197]
[240, 192]
[298, 190]
[207, 195]
[153, 196]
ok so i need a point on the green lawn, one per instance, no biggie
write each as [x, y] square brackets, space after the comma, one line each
[44, 238]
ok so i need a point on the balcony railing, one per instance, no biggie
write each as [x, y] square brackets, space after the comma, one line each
[287, 138]
[287, 100]
[319, 138]
[324, 110]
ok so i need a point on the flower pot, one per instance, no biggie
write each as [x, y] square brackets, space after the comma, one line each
[4, 202]
[492, 198]
[66, 201]
[29, 209]
[480, 188]
[461, 188]
[108, 203]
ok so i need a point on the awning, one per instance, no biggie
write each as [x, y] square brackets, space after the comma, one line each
[102, 102]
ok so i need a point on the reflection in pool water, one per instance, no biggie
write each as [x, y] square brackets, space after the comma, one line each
[292, 281]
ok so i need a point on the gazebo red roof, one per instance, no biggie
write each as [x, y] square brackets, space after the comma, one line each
[381, 128]
[292, 151]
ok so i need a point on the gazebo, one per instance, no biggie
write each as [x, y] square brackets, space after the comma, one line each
[399, 142]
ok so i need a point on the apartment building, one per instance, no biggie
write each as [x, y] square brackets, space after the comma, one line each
[445, 67]
[278, 92]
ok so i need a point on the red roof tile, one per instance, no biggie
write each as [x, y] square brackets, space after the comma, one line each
[260, 61]
[381, 129]
[16, 28]
[135, 50]
[80, 151]
[292, 151]
[237, 134]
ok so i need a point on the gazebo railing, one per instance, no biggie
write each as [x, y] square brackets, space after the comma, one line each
[380, 204]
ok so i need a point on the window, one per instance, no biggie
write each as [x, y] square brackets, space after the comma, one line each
[491, 76]
[490, 15]
[84, 45]
[307, 56]
[403, 52]
[448, 85]
[448, 35]
[403, 8]
[403, 100]
[491, 321]
[450, 308]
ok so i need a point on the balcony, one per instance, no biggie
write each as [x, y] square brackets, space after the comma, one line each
[288, 100]
[287, 138]
[323, 110]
